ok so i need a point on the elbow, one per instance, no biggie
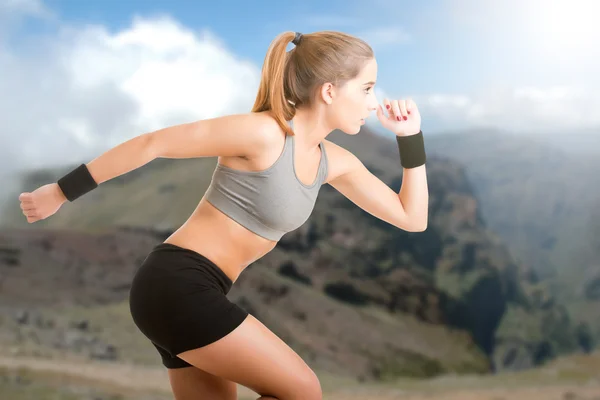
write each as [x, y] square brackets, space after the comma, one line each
[413, 222]
[420, 227]
[424, 221]
[416, 228]
[150, 146]
[413, 227]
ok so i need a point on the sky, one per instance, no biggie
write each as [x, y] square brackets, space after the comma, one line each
[78, 77]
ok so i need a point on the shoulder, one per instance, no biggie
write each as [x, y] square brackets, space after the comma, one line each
[268, 127]
[260, 124]
[247, 136]
[260, 129]
[339, 160]
[265, 127]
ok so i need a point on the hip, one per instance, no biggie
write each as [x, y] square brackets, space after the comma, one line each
[169, 267]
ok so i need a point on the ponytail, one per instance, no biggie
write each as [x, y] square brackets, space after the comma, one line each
[271, 92]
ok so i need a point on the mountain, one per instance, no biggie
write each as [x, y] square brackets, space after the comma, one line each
[540, 195]
[579, 142]
[537, 197]
[353, 294]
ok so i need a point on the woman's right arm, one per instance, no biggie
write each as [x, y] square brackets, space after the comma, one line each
[233, 135]
[244, 135]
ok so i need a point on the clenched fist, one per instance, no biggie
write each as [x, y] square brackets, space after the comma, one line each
[404, 118]
[42, 202]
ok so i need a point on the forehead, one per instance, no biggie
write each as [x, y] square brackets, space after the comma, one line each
[368, 72]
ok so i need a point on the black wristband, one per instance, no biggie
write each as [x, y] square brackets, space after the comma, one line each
[77, 183]
[412, 150]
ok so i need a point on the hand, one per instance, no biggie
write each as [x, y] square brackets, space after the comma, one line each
[404, 118]
[42, 202]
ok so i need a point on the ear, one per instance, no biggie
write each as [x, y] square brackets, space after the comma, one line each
[327, 92]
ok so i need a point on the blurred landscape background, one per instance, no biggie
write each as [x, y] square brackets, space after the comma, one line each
[498, 299]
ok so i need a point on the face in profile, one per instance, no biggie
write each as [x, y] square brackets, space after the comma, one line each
[352, 103]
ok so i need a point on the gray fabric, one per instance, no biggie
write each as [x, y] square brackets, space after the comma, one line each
[271, 202]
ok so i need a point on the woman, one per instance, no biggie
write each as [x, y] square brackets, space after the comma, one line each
[271, 165]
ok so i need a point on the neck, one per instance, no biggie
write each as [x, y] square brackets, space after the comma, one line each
[310, 128]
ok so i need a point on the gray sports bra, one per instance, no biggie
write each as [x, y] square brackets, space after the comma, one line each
[270, 202]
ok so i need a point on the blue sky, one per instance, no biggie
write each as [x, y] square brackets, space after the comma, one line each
[85, 75]
[433, 48]
[247, 28]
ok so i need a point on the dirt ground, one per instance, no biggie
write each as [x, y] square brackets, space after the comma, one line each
[531, 393]
[129, 378]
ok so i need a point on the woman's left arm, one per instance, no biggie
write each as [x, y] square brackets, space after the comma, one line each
[407, 209]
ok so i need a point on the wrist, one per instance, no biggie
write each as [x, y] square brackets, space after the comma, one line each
[412, 150]
[59, 193]
[76, 183]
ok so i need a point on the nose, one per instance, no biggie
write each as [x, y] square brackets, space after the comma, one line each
[372, 105]
[371, 108]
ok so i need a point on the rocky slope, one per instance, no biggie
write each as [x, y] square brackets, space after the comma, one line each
[539, 195]
[351, 293]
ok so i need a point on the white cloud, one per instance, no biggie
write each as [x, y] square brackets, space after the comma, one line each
[170, 72]
[76, 94]
[68, 97]
[525, 109]
[553, 31]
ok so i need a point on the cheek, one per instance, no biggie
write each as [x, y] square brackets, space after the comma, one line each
[349, 112]
[353, 104]
[356, 107]
[348, 109]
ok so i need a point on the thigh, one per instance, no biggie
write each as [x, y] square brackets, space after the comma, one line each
[192, 384]
[256, 358]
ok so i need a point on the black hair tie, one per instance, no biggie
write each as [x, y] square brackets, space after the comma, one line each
[297, 38]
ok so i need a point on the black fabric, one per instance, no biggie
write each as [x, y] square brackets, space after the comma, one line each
[178, 300]
[297, 38]
[77, 183]
[412, 150]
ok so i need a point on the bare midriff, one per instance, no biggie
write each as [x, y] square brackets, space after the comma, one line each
[222, 240]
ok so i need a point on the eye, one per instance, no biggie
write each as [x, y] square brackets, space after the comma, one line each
[369, 88]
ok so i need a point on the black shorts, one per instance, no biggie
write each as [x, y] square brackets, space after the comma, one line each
[178, 301]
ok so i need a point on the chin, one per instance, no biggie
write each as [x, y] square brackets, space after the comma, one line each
[351, 130]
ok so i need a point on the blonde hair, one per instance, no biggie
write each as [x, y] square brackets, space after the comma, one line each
[319, 57]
